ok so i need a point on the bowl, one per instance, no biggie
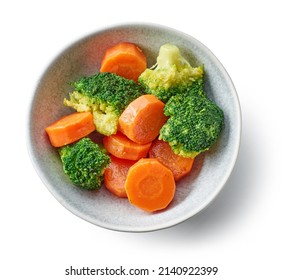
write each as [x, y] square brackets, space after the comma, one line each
[211, 169]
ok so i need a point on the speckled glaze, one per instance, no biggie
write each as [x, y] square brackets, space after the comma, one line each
[211, 170]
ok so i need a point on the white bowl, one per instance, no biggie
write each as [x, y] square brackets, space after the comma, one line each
[211, 169]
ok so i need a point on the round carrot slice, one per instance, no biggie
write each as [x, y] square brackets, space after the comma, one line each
[122, 147]
[142, 119]
[180, 166]
[115, 175]
[124, 59]
[150, 185]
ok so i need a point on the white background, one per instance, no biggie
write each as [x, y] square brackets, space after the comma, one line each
[239, 232]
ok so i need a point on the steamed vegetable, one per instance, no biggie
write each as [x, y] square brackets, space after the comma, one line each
[70, 128]
[124, 59]
[180, 166]
[171, 75]
[84, 162]
[122, 147]
[116, 174]
[150, 185]
[194, 124]
[142, 119]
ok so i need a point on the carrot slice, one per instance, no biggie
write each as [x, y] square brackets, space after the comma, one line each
[70, 128]
[142, 119]
[122, 147]
[115, 175]
[150, 185]
[124, 59]
[180, 166]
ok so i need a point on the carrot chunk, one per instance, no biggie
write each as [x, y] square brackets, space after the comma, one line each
[115, 175]
[180, 166]
[142, 119]
[150, 185]
[70, 128]
[122, 147]
[124, 59]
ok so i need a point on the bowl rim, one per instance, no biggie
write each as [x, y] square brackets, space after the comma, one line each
[175, 220]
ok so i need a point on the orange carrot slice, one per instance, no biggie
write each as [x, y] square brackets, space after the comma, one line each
[150, 185]
[142, 119]
[70, 128]
[180, 166]
[115, 175]
[124, 59]
[122, 147]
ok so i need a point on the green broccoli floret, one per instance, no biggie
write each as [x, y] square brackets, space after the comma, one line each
[106, 95]
[171, 75]
[194, 124]
[84, 162]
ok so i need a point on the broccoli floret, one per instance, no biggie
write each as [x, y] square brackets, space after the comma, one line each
[171, 75]
[106, 95]
[194, 124]
[84, 162]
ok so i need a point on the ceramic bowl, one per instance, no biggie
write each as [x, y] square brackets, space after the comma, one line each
[211, 169]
